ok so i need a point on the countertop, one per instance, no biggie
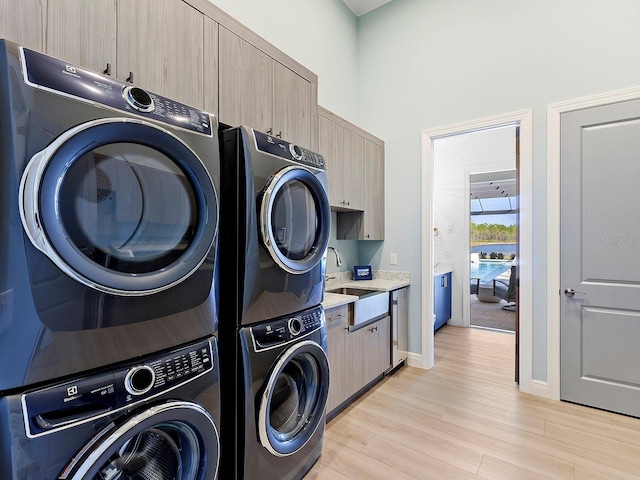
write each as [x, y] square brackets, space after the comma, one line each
[332, 300]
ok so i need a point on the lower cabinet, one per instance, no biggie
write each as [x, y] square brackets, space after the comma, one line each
[442, 299]
[337, 333]
[356, 358]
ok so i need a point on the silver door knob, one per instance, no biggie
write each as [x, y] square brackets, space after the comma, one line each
[570, 292]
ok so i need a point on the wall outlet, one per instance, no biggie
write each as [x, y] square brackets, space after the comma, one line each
[393, 258]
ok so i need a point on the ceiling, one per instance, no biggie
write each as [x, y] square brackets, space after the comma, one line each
[494, 185]
[360, 7]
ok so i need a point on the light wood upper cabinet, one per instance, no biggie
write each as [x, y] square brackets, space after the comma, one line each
[331, 146]
[246, 83]
[343, 150]
[258, 91]
[352, 171]
[291, 106]
[211, 63]
[373, 217]
[161, 43]
[83, 33]
[23, 22]
[355, 168]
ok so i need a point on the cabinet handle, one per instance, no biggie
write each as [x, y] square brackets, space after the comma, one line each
[348, 203]
[269, 132]
[129, 78]
[374, 329]
[367, 235]
[107, 71]
[331, 319]
[279, 135]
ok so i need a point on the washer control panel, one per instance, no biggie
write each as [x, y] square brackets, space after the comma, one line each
[43, 71]
[84, 399]
[287, 329]
[281, 148]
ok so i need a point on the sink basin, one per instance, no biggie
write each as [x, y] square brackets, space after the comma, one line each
[358, 292]
[370, 305]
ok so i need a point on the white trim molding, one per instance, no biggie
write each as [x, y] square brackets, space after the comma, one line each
[554, 112]
[523, 118]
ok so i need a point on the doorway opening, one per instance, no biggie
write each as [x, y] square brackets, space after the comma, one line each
[493, 245]
[442, 239]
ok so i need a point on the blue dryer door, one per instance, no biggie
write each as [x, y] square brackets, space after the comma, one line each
[295, 219]
[294, 399]
[120, 205]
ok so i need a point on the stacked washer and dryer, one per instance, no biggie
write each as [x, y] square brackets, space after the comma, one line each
[274, 230]
[108, 293]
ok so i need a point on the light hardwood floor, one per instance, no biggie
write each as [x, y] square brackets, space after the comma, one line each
[466, 419]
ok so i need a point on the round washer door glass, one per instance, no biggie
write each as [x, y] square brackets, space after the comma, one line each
[132, 213]
[296, 219]
[294, 399]
[172, 441]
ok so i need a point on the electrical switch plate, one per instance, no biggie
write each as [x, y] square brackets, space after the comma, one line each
[393, 258]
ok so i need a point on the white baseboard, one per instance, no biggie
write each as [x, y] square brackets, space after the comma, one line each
[540, 388]
[414, 360]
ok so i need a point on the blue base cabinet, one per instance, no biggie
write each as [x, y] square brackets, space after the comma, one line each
[442, 299]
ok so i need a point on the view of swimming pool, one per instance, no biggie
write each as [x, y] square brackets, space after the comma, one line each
[487, 270]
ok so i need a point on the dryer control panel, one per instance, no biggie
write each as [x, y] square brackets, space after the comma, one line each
[43, 71]
[287, 329]
[85, 399]
[281, 148]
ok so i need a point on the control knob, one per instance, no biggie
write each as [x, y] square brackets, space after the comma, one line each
[296, 151]
[139, 380]
[295, 327]
[139, 99]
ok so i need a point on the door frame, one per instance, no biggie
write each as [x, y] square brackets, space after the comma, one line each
[554, 112]
[523, 118]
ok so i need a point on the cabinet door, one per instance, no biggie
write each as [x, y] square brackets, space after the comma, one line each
[337, 353]
[210, 93]
[359, 359]
[331, 145]
[373, 218]
[22, 22]
[438, 300]
[83, 33]
[245, 82]
[161, 43]
[446, 297]
[291, 106]
[353, 171]
[381, 347]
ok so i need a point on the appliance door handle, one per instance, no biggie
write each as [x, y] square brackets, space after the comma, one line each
[56, 419]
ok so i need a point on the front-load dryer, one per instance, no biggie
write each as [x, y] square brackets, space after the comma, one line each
[108, 220]
[285, 380]
[275, 222]
[155, 418]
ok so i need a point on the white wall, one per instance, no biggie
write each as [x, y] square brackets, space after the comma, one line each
[319, 34]
[426, 64]
[454, 159]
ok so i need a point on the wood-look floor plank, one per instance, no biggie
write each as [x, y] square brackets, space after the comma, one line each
[466, 419]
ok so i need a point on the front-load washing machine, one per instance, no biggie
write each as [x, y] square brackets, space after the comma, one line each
[152, 419]
[285, 377]
[108, 221]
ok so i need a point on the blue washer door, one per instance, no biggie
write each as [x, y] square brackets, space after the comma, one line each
[120, 205]
[294, 399]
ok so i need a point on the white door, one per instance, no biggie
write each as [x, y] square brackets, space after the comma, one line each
[600, 257]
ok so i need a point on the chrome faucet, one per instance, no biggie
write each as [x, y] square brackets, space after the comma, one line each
[338, 259]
